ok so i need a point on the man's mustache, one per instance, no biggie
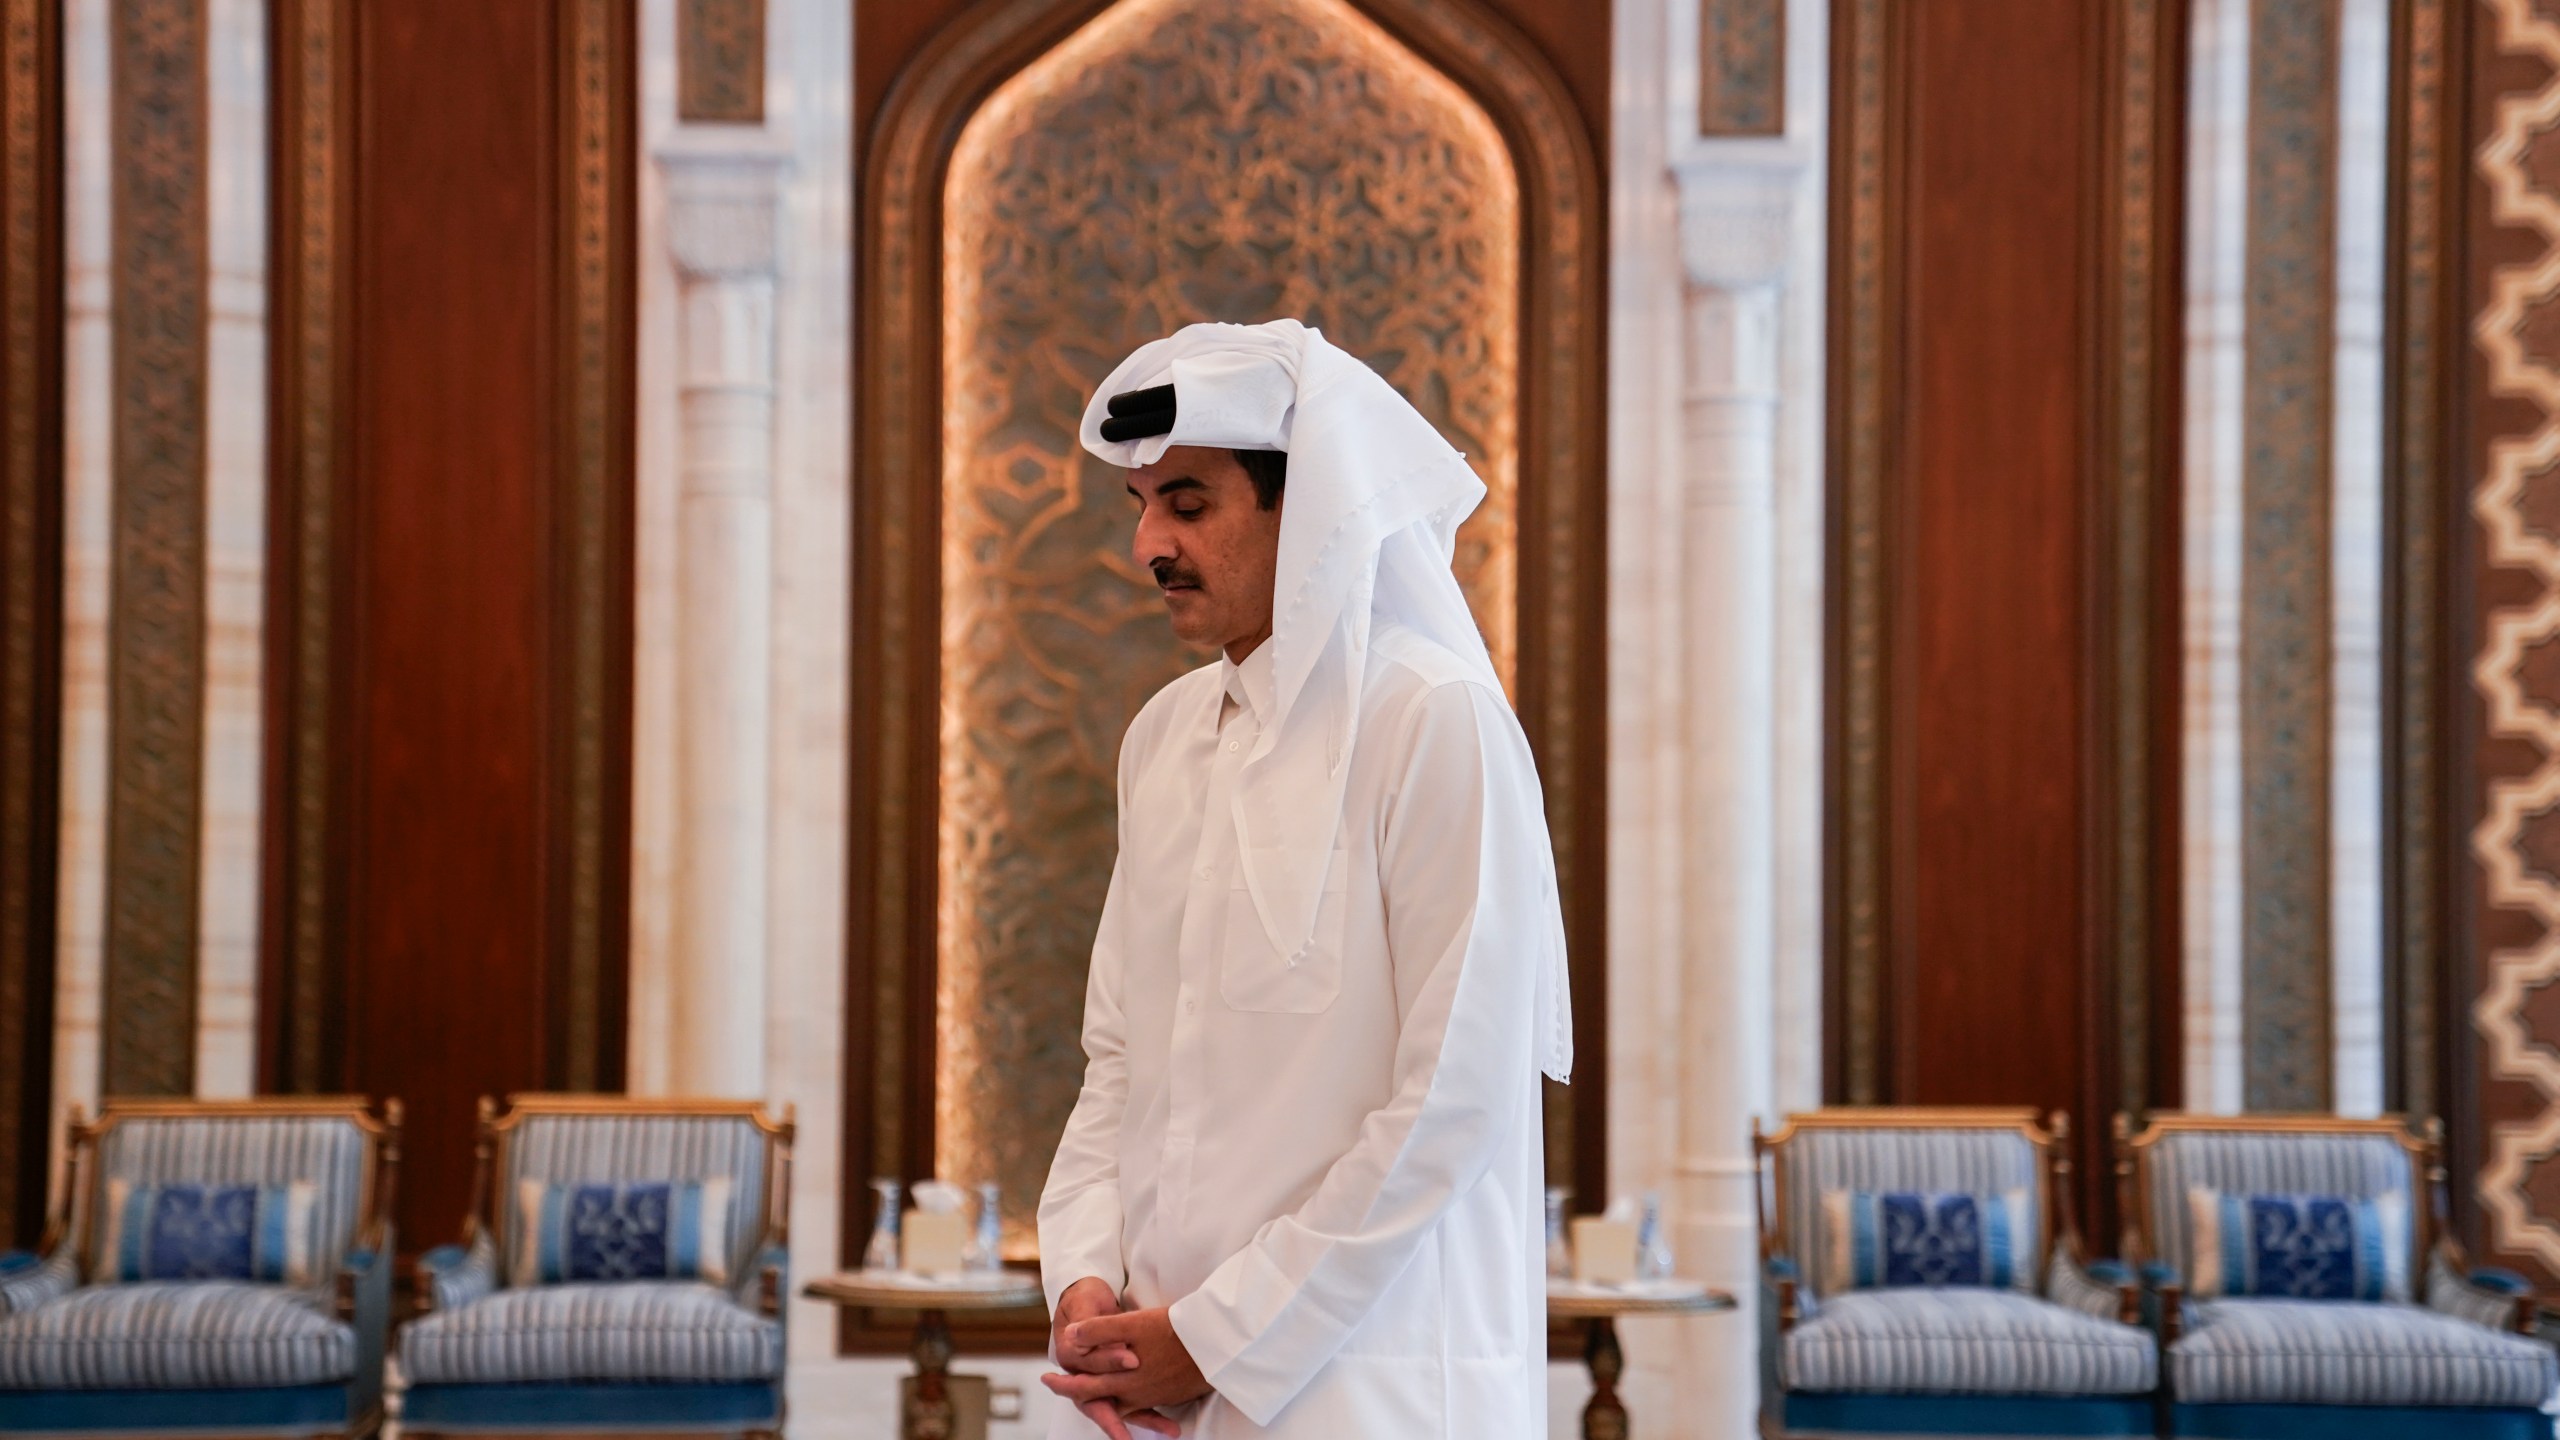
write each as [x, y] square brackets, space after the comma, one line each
[1168, 574]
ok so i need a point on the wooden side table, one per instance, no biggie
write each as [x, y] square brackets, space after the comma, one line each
[928, 1414]
[1598, 1308]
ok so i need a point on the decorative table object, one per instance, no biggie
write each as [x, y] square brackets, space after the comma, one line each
[1598, 1308]
[929, 1413]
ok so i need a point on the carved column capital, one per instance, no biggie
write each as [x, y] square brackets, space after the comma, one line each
[724, 193]
[1738, 210]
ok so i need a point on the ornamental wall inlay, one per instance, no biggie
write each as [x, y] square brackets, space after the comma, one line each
[2519, 148]
[1175, 160]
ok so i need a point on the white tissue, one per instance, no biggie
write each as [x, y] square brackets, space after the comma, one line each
[1622, 1210]
[939, 1197]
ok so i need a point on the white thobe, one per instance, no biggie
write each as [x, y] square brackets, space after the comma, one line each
[1330, 1170]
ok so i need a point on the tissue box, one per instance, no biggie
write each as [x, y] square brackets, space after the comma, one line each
[932, 1244]
[1604, 1251]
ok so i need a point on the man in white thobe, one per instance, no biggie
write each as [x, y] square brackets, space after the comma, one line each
[1301, 1190]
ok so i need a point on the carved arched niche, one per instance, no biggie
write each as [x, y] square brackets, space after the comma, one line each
[1052, 185]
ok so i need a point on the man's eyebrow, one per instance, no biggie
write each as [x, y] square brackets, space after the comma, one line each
[1167, 487]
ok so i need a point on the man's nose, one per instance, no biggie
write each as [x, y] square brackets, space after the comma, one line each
[1152, 542]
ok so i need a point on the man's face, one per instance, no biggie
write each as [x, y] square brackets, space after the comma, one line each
[1213, 550]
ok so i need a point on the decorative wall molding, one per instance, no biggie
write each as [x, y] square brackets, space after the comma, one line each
[30, 592]
[2423, 340]
[2285, 629]
[597, 243]
[300, 1050]
[156, 626]
[720, 61]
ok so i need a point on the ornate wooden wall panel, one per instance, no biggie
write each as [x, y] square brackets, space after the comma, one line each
[2286, 611]
[955, 307]
[1241, 138]
[452, 599]
[155, 620]
[30, 591]
[2004, 281]
[1572, 36]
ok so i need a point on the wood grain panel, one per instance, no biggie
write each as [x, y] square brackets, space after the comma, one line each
[1989, 847]
[2003, 565]
[30, 593]
[478, 589]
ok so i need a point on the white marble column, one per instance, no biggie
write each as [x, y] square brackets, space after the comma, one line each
[722, 188]
[2216, 279]
[88, 481]
[235, 545]
[1715, 694]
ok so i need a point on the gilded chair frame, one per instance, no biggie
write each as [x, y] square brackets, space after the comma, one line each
[75, 1212]
[2430, 1232]
[486, 1211]
[374, 1195]
[2053, 1178]
[486, 1216]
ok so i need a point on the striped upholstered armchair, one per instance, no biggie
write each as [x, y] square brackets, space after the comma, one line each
[1920, 1275]
[215, 1267]
[622, 1269]
[2304, 1285]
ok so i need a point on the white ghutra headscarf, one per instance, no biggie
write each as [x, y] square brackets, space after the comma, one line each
[1375, 498]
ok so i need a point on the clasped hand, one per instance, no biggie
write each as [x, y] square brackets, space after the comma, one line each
[1122, 1365]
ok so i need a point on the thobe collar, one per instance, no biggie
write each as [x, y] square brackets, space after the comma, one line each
[1249, 684]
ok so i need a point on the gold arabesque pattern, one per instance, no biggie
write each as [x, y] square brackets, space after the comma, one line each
[1175, 160]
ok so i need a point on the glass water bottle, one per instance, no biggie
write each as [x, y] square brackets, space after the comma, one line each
[986, 1249]
[1559, 1249]
[882, 1252]
[1653, 1245]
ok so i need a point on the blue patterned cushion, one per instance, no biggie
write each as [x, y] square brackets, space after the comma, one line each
[2299, 1247]
[1964, 1342]
[1895, 1238]
[206, 1232]
[2318, 1352]
[635, 1230]
[664, 1331]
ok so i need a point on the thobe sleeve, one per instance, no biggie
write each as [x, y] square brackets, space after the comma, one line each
[1080, 1207]
[1463, 866]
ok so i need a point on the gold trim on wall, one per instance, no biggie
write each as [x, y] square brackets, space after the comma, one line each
[299, 1051]
[595, 474]
[2422, 332]
[156, 621]
[1862, 264]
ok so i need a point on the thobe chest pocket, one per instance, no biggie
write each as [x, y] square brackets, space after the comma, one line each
[1254, 974]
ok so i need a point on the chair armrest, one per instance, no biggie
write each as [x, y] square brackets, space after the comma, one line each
[364, 1301]
[2498, 1299]
[450, 1276]
[764, 1285]
[36, 1281]
[1784, 1291]
[2100, 1289]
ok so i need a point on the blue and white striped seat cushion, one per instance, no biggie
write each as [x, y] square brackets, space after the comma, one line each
[2316, 1352]
[1964, 1342]
[623, 1330]
[214, 1334]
